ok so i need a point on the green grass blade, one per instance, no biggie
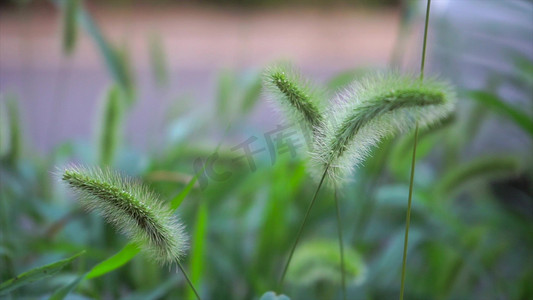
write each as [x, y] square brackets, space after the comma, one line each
[70, 28]
[4, 128]
[126, 67]
[495, 103]
[35, 275]
[286, 182]
[158, 59]
[178, 199]
[251, 95]
[110, 131]
[484, 167]
[14, 151]
[62, 292]
[524, 66]
[428, 138]
[225, 92]
[198, 247]
[117, 66]
[114, 262]
[158, 293]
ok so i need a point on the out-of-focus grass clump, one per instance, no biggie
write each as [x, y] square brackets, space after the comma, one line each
[472, 217]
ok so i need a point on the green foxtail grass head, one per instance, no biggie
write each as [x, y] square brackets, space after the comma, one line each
[379, 105]
[132, 208]
[299, 101]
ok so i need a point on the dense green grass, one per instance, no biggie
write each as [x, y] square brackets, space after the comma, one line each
[471, 231]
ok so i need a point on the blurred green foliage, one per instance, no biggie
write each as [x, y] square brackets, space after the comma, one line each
[471, 224]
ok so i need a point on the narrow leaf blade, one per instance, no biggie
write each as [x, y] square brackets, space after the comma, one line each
[116, 65]
[483, 167]
[158, 60]
[62, 292]
[70, 28]
[110, 131]
[198, 247]
[35, 274]
[498, 105]
[114, 262]
[178, 199]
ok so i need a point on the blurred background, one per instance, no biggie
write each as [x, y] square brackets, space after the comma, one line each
[151, 88]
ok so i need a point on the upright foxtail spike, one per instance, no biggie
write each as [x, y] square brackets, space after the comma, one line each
[298, 100]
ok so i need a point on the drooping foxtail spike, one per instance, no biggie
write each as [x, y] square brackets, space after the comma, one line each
[378, 106]
[132, 208]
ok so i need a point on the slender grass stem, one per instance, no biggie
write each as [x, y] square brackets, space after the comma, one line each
[408, 217]
[298, 235]
[188, 280]
[413, 161]
[424, 43]
[341, 245]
